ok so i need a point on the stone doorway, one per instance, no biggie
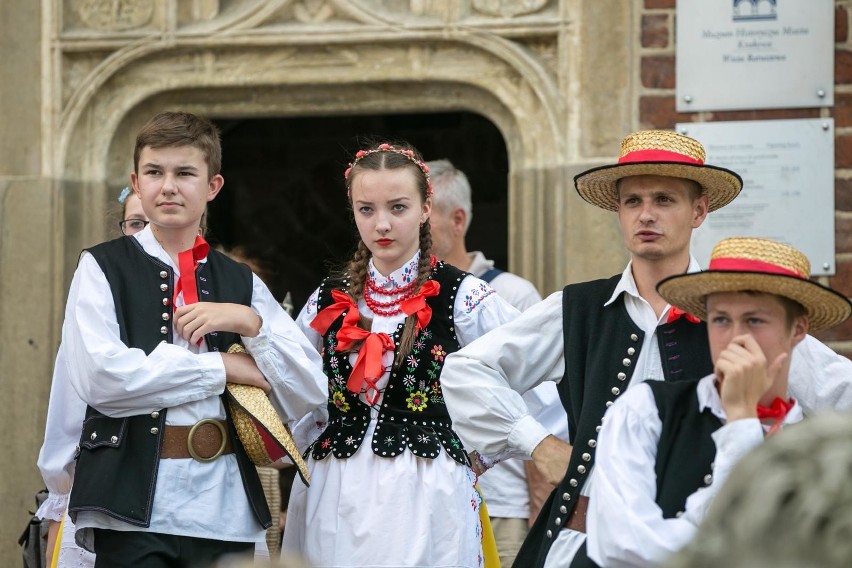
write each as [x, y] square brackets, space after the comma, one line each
[283, 202]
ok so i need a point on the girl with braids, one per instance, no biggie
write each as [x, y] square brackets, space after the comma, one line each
[383, 327]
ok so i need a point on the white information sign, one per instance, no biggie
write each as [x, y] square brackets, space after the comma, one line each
[749, 54]
[787, 168]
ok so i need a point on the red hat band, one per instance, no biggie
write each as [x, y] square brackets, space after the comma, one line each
[656, 155]
[750, 265]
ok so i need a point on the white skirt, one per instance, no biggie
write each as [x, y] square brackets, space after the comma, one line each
[368, 511]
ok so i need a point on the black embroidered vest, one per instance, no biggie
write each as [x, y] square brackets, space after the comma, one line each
[686, 449]
[602, 345]
[412, 413]
[116, 472]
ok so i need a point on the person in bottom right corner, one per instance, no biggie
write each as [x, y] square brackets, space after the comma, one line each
[788, 504]
[666, 448]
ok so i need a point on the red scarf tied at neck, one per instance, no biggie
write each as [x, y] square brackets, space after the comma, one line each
[675, 314]
[777, 410]
[187, 264]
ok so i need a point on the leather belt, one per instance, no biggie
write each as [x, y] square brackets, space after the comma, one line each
[204, 441]
[577, 519]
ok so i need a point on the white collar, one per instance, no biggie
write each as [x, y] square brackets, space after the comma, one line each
[627, 284]
[708, 398]
[403, 275]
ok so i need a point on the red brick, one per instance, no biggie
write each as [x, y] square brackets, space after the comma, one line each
[842, 280]
[655, 30]
[843, 194]
[652, 4]
[763, 114]
[843, 235]
[842, 151]
[842, 67]
[841, 25]
[842, 111]
[659, 112]
[658, 72]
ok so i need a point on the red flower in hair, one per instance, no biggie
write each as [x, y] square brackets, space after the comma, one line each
[384, 146]
[360, 153]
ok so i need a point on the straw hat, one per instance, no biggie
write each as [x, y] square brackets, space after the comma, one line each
[659, 153]
[757, 265]
[265, 438]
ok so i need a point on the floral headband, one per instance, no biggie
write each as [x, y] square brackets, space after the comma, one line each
[390, 148]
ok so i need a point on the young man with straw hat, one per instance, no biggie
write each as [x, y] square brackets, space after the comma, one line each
[595, 339]
[667, 447]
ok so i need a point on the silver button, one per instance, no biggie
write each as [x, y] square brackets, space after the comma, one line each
[608, 403]
[592, 443]
[94, 435]
[155, 431]
[679, 514]
[708, 479]
[621, 376]
[615, 391]
[634, 337]
[581, 468]
[630, 351]
[164, 274]
[557, 521]
[586, 457]
[549, 533]
[566, 496]
[563, 509]
[114, 439]
[165, 301]
[155, 414]
[598, 428]
[164, 330]
[166, 316]
[626, 362]
[164, 287]
[572, 482]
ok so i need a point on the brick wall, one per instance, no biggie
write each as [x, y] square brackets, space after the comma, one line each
[656, 100]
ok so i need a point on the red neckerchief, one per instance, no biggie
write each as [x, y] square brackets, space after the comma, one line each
[777, 410]
[368, 368]
[675, 314]
[187, 264]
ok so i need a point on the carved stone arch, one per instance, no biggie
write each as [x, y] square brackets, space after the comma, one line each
[418, 74]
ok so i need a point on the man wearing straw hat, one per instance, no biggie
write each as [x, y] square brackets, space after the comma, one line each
[667, 447]
[595, 339]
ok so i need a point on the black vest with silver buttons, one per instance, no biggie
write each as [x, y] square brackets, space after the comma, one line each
[686, 450]
[602, 345]
[116, 472]
[412, 414]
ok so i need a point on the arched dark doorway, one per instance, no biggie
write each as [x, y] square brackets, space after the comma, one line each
[284, 201]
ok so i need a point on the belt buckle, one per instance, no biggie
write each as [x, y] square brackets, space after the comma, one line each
[192, 432]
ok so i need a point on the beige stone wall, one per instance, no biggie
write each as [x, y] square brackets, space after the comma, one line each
[555, 76]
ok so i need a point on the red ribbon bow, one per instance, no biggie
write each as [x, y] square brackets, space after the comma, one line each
[368, 368]
[777, 410]
[417, 304]
[675, 314]
[187, 264]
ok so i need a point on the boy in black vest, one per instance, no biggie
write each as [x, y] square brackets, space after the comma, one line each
[667, 447]
[595, 339]
[161, 478]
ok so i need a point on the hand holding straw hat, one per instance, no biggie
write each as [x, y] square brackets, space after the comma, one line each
[265, 438]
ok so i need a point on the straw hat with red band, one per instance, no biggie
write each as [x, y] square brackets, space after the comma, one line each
[264, 437]
[659, 153]
[757, 265]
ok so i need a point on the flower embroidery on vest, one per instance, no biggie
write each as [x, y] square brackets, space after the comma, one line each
[439, 353]
[417, 401]
[339, 400]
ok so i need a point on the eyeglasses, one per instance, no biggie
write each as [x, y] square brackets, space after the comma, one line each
[132, 226]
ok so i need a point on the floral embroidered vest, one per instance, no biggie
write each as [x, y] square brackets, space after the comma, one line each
[412, 412]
